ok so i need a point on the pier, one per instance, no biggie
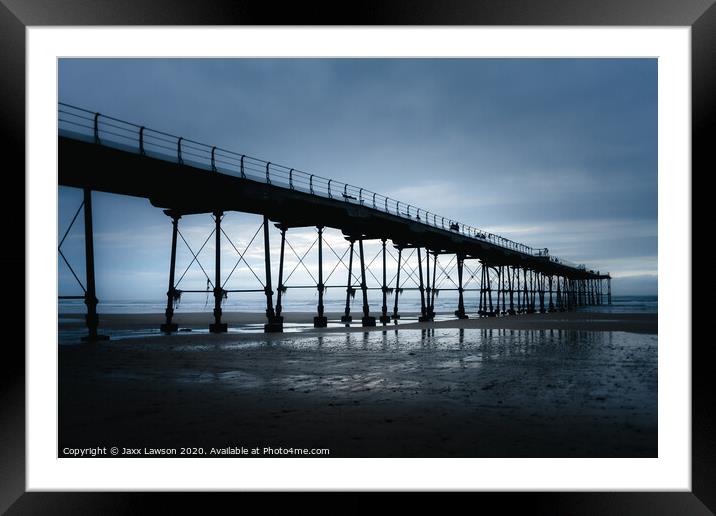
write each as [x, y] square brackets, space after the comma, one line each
[183, 177]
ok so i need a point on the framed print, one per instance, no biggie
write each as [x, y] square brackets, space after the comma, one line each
[422, 256]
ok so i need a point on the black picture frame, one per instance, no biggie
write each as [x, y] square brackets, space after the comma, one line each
[16, 15]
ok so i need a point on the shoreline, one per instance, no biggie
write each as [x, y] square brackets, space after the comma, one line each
[644, 323]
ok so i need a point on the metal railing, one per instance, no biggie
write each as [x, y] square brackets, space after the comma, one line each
[567, 263]
[113, 132]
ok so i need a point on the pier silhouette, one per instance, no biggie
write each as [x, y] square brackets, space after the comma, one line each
[183, 177]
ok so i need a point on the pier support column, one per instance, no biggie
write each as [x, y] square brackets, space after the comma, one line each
[481, 304]
[367, 319]
[594, 292]
[589, 292]
[501, 309]
[91, 300]
[320, 321]
[275, 323]
[396, 315]
[560, 306]
[506, 285]
[491, 312]
[597, 300]
[428, 290]
[501, 290]
[533, 304]
[431, 310]
[346, 318]
[384, 318]
[169, 326]
[423, 310]
[460, 312]
[566, 294]
[510, 286]
[279, 294]
[483, 289]
[529, 292]
[574, 290]
[540, 284]
[218, 326]
[525, 295]
[609, 291]
[585, 292]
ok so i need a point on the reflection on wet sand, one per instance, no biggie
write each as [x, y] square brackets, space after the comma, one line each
[429, 392]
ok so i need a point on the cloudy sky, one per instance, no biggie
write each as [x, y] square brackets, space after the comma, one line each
[556, 153]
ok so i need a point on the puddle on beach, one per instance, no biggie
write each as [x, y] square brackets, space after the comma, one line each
[71, 333]
[485, 340]
[391, 339]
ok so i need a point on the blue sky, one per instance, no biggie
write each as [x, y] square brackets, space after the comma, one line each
[557, 153]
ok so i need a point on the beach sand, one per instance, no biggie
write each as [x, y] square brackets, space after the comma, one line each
[540, 385]
[590, 321]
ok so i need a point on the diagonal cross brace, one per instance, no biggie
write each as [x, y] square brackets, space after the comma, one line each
[412, 272]
[195, 259]
[405, 266]
[473, 274]
[300, 261]
[447, 273]
[72, 270]
[340, 261]
[59, 247]
[367, 267]
[241, 256]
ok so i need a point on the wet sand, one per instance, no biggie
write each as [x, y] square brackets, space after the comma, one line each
[637, 322]
[535, 387]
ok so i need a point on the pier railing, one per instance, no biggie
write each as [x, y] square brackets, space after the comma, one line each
[120, 134]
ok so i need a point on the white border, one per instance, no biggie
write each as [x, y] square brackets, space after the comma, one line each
[670, 471]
